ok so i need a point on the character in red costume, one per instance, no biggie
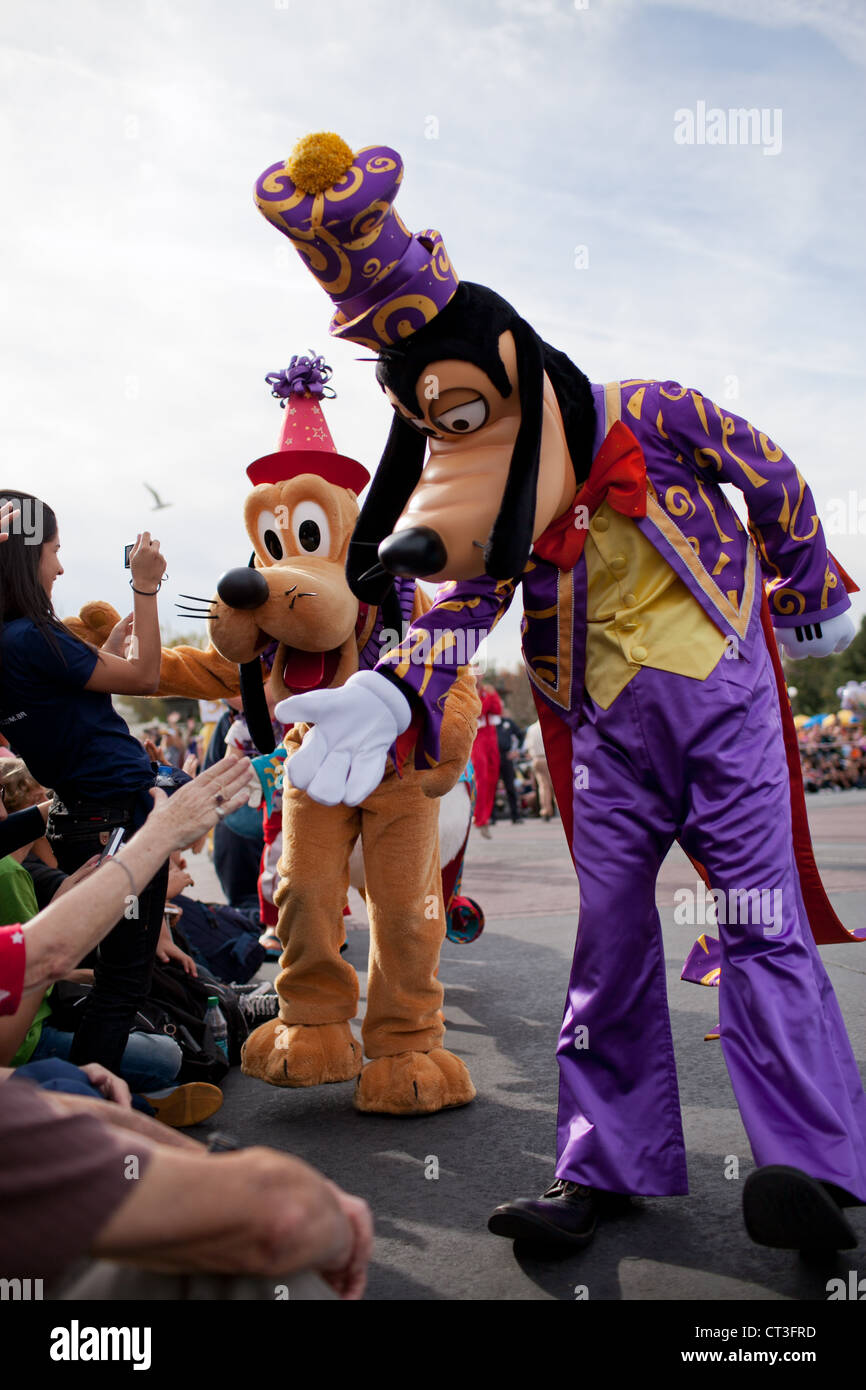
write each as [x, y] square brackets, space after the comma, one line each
[485, 756]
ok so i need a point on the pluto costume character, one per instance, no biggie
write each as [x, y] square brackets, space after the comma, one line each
[652, 674]
[292, 602]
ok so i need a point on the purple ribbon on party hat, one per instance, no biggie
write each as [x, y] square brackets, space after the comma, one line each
[304, 376]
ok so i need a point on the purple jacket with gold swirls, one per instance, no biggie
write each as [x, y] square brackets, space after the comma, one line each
[690, 446]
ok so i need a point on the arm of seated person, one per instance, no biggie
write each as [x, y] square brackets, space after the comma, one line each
[121, 1117]
[255, 1212]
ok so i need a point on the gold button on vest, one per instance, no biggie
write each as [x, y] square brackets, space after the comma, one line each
[639, 612]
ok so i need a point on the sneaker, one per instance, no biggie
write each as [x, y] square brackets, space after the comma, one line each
[259, 1006]
[186, 1105]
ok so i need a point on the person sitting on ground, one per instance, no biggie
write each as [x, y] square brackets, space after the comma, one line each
[50, 944]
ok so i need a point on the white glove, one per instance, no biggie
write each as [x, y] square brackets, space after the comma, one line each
[817, 639]
[343, 757]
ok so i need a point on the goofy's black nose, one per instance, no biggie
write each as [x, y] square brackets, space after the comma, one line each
[243, 588]
[414, 553]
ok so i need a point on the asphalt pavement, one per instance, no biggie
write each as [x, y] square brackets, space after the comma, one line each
[432, 1181]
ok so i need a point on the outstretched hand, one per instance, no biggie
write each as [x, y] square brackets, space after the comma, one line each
[342, 758]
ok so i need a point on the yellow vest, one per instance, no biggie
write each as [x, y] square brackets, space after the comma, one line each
[639, 612]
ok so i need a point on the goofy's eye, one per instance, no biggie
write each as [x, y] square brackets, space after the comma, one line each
[269, 535]
[463, 419]
[310, 528]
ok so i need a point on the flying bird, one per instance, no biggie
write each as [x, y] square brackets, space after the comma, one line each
[159, 505]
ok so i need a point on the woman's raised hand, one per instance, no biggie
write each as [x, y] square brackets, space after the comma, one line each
[146, 564]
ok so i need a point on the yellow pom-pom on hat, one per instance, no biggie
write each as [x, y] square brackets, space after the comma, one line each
[319, 161]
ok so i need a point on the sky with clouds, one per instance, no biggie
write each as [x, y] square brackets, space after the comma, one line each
[144, 298]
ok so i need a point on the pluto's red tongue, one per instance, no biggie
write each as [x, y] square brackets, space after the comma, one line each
[303, 670]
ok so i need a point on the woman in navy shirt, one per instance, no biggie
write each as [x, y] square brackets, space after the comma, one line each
[57, 714]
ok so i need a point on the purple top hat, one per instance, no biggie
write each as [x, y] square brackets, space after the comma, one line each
[335, 206]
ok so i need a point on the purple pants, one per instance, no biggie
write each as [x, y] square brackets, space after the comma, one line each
[702, 762]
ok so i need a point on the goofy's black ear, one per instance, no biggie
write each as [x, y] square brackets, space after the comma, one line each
[255, 706]
[256, 712]
[396, 478]
[510, 540]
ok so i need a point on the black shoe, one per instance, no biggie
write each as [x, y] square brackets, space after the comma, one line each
[565, 1215]
[786, 1209]
[260, 1005]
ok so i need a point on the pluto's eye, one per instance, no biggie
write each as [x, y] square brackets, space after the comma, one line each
[463, 419]
[310, 528]
[270, 535]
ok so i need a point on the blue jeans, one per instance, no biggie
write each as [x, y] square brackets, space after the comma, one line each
[151, 1061]
[52, 1074]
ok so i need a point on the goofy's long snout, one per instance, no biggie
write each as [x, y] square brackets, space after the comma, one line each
[414, 553]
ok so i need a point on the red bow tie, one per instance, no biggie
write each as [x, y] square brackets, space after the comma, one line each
[618, 476]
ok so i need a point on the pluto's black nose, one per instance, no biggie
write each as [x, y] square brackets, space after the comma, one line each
[243, 588]
[415, 553]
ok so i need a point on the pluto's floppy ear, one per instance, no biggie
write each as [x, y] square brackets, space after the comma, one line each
[510, 540]
[396, 478]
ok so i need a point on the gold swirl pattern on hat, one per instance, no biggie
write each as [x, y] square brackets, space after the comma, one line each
[419, 308]
[305, 245]
[341, 280]
[336, 330]
[400, 223]
[365, 226]
[346, 186]
[275, 183]
[309, 245]
[440, 262]
[381, 164]
[380, 272]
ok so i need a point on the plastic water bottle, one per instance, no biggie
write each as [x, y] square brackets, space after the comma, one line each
[216, 1018]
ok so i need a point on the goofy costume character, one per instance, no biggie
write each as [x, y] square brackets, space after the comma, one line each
[650, 647]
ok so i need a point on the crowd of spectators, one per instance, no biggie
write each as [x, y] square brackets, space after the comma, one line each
[833, 754]
[94, 823]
